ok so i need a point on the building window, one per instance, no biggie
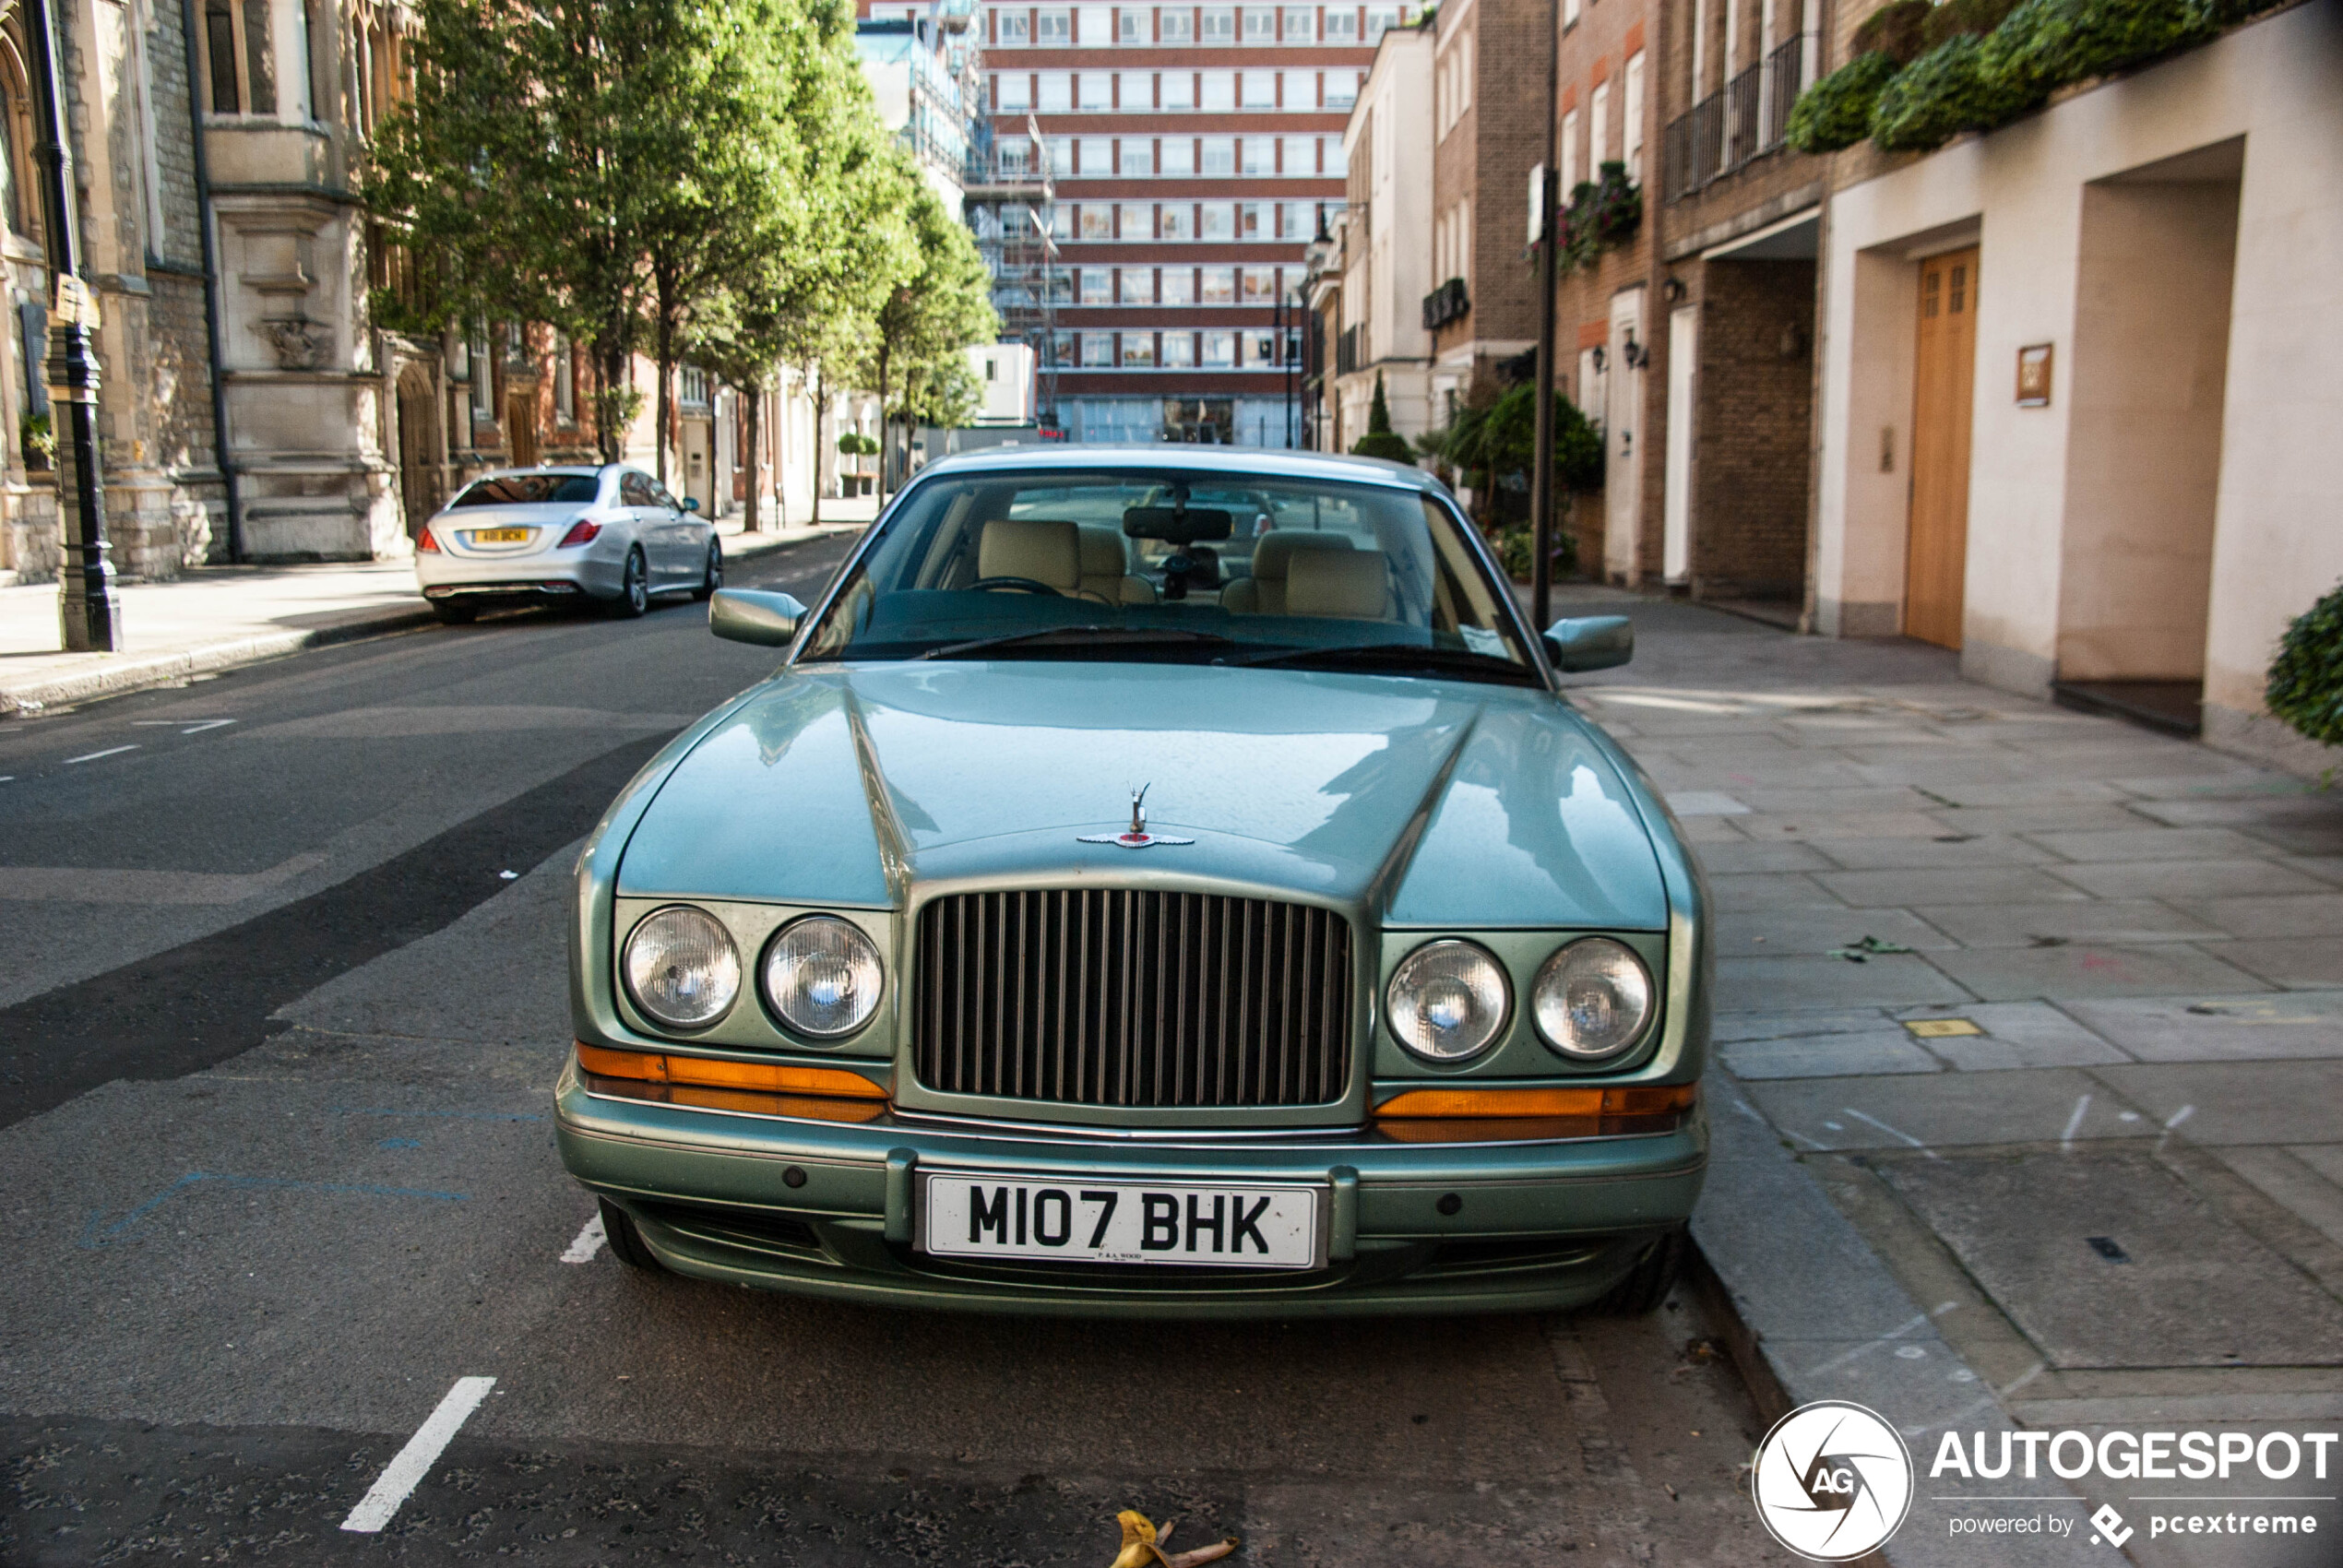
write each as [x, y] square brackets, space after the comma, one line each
[1291, 218]
[1334, 162]
[1179, 350]
[1216, 222]
[1098, 221]
[1380, 20]
[240, 57]
[1256, 157]
[1178, 157]
[1569, 154]
[691, 387]
[1015, 29]
[1249, 220]
[1342, 89]
[1060, 349]
[17, 202]
[1139, 350]
[1260, 286]
[1014, 91]
[1057, 93]
[1301, 24]
[1217, 24]
[1138, 287]
[1179, 286]
[1219, 95]
[1176, 26]
[1219, 349]
[1260, 25]
[1137, 222]
[1054, 30]
[1260, 89]
[1342, 27]
[1133, 27]
[1220, 285]
[1097, 157]
[1176, 221]
[565, 381]
[1598, 131]
[1301, 158]
[1177, 90]
[1096, 92]
[1138, 159]
[1097, 350]
[483, 378]
[1098, 286]
[1633, 93]
[1220, 157]
[1134, 91]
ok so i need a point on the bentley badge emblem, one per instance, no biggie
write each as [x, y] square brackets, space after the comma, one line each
[1136, 836]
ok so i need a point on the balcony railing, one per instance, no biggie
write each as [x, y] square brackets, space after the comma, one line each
[1728, 130]
[1446, 304]
[1346, 351]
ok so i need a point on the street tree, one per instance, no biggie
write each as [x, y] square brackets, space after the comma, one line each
[940, 309]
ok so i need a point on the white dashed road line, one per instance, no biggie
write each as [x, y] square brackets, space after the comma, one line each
[110, 751]
[406, 1469]
[590, 1242]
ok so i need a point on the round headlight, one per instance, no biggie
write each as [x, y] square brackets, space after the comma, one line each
[1592, 999]
[681, 968]
[1448, 1000]
[822, 977]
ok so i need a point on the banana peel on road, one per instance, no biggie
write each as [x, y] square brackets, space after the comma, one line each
[1143, 1545]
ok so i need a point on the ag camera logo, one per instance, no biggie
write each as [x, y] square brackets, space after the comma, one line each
[1832, 1480]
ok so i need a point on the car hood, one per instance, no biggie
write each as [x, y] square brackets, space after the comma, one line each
[1418, 802]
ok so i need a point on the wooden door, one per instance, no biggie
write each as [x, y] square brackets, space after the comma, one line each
[520, 426]
[1937, 557]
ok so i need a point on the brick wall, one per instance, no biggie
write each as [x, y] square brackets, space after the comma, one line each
[1753, 416]
[1487, 156]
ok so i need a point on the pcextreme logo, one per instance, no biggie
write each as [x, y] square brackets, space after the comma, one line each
[1832, 1480]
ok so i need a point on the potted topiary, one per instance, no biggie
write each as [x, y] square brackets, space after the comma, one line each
[1381, 440]
[2305, 687]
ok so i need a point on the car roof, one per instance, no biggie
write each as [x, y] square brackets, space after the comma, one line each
[1235, 462]
[588, 470]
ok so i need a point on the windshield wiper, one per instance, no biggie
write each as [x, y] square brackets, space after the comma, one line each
[1398, 656]
[1090, 636]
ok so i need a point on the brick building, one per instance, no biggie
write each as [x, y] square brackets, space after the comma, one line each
[1738, 218]
[1488, 115]
[1194, 152]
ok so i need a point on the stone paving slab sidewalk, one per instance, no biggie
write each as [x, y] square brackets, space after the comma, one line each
[218, 617]
[2030, 1026]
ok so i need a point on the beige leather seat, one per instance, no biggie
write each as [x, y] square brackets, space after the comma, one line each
[1352, 586]
[1046, 551]
[1264, 593]
[1106, 568]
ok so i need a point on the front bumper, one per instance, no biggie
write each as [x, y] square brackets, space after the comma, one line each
[1536, 1224]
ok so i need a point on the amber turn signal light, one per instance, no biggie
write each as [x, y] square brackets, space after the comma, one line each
[1440, 1116]
[766, 1077]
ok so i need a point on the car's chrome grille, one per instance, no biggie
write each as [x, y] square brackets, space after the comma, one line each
[1119, 996]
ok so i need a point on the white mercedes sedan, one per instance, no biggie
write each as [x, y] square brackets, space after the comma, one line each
[612, 534]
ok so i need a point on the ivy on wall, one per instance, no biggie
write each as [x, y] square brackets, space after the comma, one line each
[1924, 73]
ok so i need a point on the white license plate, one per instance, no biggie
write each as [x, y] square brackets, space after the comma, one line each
[1081, 1220]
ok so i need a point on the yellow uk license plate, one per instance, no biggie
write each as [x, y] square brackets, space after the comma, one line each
[501, 536]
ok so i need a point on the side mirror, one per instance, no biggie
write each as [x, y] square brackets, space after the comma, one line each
[1590, 642]
[752, 615]
[691, 503]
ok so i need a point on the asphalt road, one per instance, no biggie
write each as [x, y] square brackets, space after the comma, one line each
[282, 1004]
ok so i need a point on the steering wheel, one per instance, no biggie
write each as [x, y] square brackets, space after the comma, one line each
[1022, 585]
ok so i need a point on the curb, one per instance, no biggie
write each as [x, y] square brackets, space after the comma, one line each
[163, 669]
[1812, 1313]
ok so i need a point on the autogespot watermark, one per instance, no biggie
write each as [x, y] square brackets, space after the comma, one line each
[1834, 1480]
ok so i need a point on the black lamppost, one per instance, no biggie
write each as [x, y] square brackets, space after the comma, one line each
[1542, 482]
[90, 615]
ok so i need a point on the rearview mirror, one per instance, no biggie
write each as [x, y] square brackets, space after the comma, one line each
[691, 503]
[1590, 642]
[752, 615]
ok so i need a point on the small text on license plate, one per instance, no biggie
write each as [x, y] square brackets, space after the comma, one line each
[1079, 1219]
[501, 536]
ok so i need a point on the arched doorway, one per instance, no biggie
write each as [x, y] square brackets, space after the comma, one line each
[419, 447]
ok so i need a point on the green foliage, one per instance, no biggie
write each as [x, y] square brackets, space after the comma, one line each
[1836, 111]
[1898, 30]
[2045, 44]
[37, 437]
[854, 444]
[1938, 96]
[1384, 444]
[1379, 410]
[1953, 17]
[1517, 548]
[2306, 680]
[1494, 445]
[1604, 212]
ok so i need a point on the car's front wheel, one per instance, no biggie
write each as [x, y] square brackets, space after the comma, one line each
[634, 587]
[713, 579]
[1647, 1284]
[626, 1242]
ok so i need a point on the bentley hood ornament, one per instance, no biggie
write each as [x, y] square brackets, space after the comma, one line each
[1136, 836]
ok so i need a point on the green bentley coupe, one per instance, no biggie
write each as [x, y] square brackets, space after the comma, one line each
[1158, 881]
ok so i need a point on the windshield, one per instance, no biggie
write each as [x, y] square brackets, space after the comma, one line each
[1163, 566]
[529, 490]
